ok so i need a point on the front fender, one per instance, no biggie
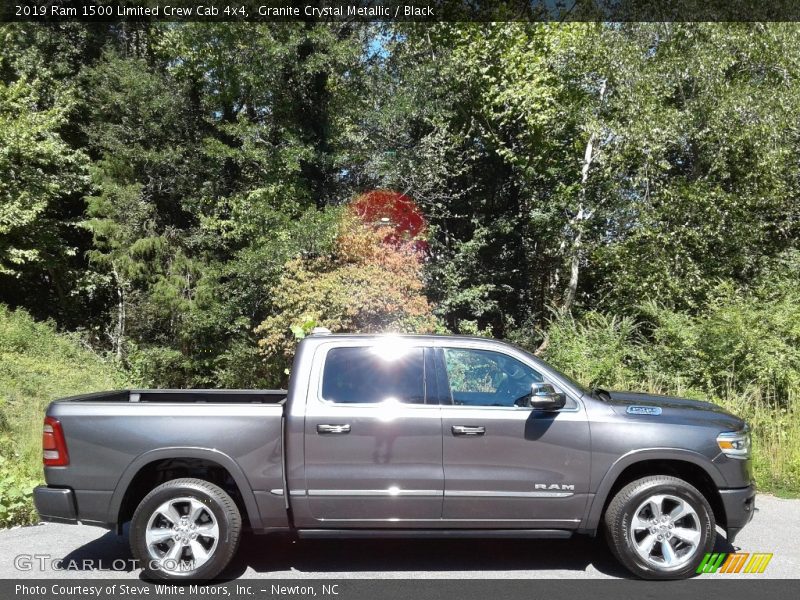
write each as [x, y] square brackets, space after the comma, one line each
[594, 510]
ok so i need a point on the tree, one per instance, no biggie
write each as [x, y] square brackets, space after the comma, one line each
[143, 185]
[37, 172]
[45, 169]
[365, 285]
[705, 136]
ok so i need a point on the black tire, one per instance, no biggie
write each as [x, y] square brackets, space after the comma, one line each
[618, 527]
[218, 509]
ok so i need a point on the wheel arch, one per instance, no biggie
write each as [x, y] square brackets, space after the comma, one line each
[684, 464]
[127, 493]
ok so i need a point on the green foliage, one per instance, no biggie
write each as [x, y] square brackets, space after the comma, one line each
[740, 351]
[237, 294]
[596, 349]
[743, 337]
[37, 365]
[37, 171]
[16, 494]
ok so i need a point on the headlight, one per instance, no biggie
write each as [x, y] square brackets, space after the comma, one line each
[735, 444]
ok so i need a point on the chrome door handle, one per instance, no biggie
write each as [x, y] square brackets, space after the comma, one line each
[344, 428]
[468, 430]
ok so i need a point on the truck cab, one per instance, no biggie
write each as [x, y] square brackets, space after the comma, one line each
[402, 432]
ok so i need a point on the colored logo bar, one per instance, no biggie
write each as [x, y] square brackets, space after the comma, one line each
[735, 562]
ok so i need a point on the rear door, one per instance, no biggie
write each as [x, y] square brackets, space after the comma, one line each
[505, 464]
[373, 436]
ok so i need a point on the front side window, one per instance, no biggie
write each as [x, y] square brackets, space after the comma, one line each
[486, 378]
[367, 374]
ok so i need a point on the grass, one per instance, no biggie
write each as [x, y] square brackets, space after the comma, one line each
[37, 365]
[776, 439]
[774, 424]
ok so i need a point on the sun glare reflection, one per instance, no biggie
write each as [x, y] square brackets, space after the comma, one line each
[390, 409]
[391, 348]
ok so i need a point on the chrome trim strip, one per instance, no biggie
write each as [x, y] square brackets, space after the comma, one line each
[397, 520]
[493, 494]
[437, 493]
[297, 492]
[276, 492]
[381, 493]
[451, 407]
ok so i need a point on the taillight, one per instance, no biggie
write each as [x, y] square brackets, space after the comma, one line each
[54, 447]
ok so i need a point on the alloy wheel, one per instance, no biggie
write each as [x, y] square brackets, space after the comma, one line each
[181, 535]
[665, 531]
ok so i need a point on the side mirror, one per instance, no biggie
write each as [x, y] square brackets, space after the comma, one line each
[545, 397]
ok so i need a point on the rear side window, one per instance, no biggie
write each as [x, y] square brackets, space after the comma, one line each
[362, 375]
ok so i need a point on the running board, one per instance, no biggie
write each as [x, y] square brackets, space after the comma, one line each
[549, 534]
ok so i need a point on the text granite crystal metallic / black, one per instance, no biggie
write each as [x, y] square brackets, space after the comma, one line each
[399, 436]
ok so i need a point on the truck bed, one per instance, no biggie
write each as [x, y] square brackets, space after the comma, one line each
[114, 436]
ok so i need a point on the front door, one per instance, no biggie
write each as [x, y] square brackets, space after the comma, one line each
[373, 438]
[506, 464]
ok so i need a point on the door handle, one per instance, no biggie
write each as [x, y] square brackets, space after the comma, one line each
[325, 429]
[468, 430]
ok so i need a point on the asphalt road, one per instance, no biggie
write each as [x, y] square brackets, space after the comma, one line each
[95, 553]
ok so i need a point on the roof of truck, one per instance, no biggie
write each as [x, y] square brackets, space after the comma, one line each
[428, 336]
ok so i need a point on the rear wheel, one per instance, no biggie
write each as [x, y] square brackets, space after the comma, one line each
[185, 529]
[660, 527]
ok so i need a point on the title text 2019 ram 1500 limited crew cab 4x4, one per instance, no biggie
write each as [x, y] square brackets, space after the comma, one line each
[415, 436]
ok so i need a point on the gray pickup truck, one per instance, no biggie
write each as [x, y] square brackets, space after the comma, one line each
[399, 436]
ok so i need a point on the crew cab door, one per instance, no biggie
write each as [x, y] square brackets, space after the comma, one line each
[506, 464]
[373, 437]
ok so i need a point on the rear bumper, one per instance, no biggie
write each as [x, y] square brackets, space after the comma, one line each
[55, 504]
[740, 505]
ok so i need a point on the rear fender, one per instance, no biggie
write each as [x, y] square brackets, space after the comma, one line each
[209, 454]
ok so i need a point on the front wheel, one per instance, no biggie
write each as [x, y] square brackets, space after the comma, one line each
[660, 527]
[185, 529]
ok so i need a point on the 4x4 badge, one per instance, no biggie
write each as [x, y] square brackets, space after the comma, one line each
[644, 410]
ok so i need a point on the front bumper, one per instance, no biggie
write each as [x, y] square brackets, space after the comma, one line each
[740, 505]
[55, 504]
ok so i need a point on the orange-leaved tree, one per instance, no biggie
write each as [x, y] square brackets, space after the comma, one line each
[364, 285]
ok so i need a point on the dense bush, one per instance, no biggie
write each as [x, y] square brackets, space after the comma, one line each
[37, 365]
[740, 350]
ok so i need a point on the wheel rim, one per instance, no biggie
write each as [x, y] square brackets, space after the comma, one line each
[665, 532]
[181, 535]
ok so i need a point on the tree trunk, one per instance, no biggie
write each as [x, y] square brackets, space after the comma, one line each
[119, 334]
[577, 223]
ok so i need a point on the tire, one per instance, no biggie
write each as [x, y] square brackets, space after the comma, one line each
[185, 529]
[670, 547]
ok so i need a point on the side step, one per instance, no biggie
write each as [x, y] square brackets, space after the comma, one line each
[322, 534]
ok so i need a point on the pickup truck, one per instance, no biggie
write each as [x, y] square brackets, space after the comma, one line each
[399, 436]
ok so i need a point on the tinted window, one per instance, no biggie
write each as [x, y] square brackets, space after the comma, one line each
[485, 378]
[369, 374]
